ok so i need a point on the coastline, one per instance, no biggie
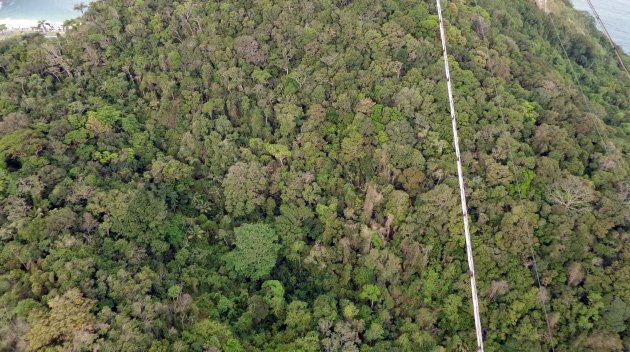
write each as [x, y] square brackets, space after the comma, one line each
[18, 27]
[25, 24]
[613, 14]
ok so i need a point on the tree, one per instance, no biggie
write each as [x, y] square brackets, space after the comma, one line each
[69, 316]
[352, 147]
[298, 316]
[256, 250]
[248, 48]
[142, 154]
[244, 188]
[211, 335]
[274, 296]
[57, 63]
[287, 115]
[80, 7]
[371, 293]
[571, 193]
[375, 331]
[20, 144]
[325, 307]
[616, 314]
[69, 24]
[3, 27]
[44, 25]
[169, 170]
[549, 138]
[397, 205]
[278, 151]
[138, 216]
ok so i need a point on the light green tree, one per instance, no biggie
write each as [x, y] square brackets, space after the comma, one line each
[256, 250]
[279, 151]
[211, 335]
[298, 316]
[371, 293]
[274, 296]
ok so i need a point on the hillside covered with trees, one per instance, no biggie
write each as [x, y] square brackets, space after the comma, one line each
[278, 175]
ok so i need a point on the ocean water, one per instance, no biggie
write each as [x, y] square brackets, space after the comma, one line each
[616, 16]
[24, 13]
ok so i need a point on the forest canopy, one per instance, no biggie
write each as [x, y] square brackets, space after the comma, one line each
[279, 175]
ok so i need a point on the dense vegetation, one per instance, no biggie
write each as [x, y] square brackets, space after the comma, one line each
[278, 175]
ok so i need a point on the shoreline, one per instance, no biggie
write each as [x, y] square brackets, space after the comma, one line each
[613, 20]
[20, 27]
[26, 24]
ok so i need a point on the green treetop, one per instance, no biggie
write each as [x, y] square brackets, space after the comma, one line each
[256, 250]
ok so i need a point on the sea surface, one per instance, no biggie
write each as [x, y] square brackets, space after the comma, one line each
[24, 13]
[616, 16]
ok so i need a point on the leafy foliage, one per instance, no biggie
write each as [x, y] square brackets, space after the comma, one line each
[256, 250]
[278, 176]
